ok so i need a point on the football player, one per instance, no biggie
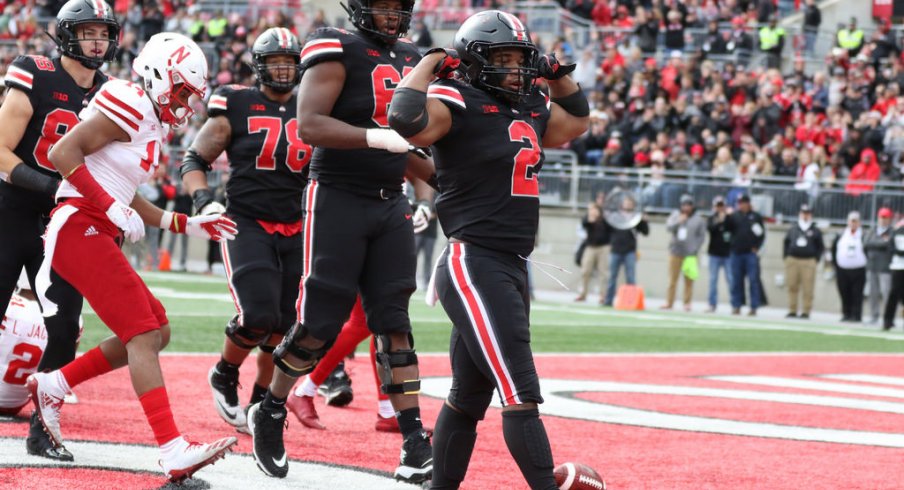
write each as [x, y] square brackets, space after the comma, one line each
[23, 338]
[487, 129]
[44, 100]
[358, 225]
[104, 159]
[256, 126]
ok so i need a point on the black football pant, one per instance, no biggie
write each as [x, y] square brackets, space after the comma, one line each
[263, 271]
[22, 246]
[486, 295]
[355, 243]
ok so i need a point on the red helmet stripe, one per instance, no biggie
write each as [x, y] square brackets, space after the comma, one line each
[100, 9]
[517, 26]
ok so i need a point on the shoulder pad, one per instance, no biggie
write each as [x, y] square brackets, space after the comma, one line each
[219, 100]
[125, 103]
[21, 72]
[324, 44]
[446, 92]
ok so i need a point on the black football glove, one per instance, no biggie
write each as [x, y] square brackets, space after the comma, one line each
[446, 67]
[550, 68]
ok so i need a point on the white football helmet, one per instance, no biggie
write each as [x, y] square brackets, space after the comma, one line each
[172, 66]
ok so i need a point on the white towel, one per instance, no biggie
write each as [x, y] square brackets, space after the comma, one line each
[42, 280]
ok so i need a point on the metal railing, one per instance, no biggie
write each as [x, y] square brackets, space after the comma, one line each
[565, 184]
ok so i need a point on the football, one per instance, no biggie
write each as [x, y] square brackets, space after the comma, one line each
[577, 476]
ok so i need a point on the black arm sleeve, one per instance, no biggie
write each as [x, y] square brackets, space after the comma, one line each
[193, 161]
[28, 178]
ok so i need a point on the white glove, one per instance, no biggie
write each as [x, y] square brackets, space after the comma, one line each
[421, 218]
[214, 227]
[387, 139]
[212, 207]
[127, 220]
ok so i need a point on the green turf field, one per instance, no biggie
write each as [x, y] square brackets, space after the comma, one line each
[199, 306]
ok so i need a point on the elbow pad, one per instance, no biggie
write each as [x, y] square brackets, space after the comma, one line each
[193, 161]
[407, 113]
[575, 104]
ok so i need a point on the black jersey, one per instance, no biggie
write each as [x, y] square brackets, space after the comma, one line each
[372, 72]
[56, 101]
[266, 156]
[487, 167]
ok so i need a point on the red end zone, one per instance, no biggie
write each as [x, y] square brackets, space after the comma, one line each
[641, 421]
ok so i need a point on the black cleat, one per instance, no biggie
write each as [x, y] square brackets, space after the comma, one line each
[224, 388]
[337, 389]
[416, 460]
[38, 442]
[267, 440]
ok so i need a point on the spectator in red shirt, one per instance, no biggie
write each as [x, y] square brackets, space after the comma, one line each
[864, 174]
[601, 13]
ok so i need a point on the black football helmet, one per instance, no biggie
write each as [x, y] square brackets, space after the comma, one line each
[77, 12]
[275, 40]
[361, 14]
[489, 30]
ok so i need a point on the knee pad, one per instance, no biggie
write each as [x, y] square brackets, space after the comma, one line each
[289, 346]
[387, 359]
[245, 337]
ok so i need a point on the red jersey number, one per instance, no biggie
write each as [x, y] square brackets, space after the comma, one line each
[524, 173]
[385, 79]
[299, 153]
[25, 363]
[56, 123]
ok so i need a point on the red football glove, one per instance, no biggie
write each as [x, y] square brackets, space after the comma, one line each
[550, 68]
[216, 227]
[446, 67]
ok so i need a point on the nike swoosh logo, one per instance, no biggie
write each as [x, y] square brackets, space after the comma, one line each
[231, 414]
[280, 462]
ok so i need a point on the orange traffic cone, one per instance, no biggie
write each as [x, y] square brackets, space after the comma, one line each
[165, 261]
[629, 297]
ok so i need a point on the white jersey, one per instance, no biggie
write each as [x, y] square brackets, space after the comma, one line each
[121, 166]
[22, 342]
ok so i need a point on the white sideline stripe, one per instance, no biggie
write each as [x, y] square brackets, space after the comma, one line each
[691, 323]
[804, 384]
[182, 277]
[237, 471]
[867, 378]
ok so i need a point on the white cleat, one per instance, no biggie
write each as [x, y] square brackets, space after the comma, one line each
[70, 399]
[195, 456]
[48, 398]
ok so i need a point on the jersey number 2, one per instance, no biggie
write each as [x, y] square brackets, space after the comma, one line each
[27, 357]
[299, 153]
[524, 173]
[56, 123]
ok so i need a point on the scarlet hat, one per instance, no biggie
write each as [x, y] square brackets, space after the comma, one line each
[697, 150]
[885, 213]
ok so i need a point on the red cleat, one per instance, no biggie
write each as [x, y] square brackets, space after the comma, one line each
[391, 424]
[386, 424]
[303, 408]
